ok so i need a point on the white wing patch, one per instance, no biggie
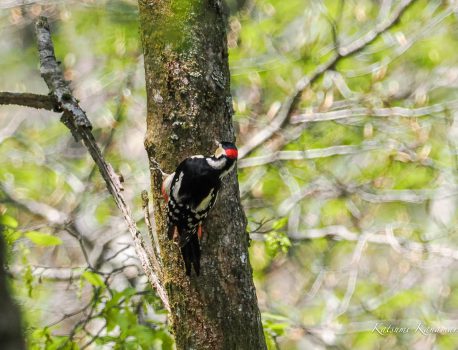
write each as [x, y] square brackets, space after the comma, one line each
[166, 185]
[205, 202]
[217, 164]
[198, 156]
[177, 185]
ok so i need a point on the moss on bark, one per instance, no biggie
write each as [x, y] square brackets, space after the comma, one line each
[189, 106]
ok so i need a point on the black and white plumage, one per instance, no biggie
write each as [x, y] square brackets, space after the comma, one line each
[191, 192]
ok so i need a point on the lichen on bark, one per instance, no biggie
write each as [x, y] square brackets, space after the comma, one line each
[189, 106]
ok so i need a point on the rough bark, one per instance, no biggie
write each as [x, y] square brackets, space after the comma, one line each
[28, 100]
[10, 321]
[189, 106]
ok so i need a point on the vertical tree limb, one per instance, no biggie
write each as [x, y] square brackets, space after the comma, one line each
[189, 106]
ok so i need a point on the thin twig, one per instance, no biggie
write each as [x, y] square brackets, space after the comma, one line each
[307, 154]
[80, 238]
[70, 314]
[50, 272]
[127, 246]
[152, 232]
[353, 277]
[377, 237]
[94, 337]
[50, 214]
[314, 116]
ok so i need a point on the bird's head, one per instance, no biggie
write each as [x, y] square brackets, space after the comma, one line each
[227, 149]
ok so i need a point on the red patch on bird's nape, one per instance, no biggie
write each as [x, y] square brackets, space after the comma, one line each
[232, 153]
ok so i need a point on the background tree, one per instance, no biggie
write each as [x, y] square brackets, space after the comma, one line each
[11, 337]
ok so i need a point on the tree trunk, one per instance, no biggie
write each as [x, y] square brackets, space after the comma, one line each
[10, 321]
[189, 106]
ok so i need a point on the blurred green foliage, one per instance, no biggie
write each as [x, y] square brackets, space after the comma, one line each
[339, 242]
[330, 294]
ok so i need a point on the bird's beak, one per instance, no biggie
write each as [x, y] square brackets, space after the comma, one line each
[219, 151]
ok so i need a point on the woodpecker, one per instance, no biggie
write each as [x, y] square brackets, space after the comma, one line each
[190, 193]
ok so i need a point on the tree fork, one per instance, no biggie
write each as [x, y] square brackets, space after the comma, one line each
[189, 106]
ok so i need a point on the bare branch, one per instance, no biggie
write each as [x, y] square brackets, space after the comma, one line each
[52, 75]
[314, 116]
[379, 29]
[28, 100]
[379, 237]
[71, 314]
[75, 119]
[81, 240]
[253, 179]
[410, 196]
[94, 337]
[289, 106]
[307, 154]
[412, 38]
[51, 273]
[43, 210]
[324, 188]
[352, 278]
[321, 186]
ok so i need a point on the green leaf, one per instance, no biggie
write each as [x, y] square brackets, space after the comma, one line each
[8, 221]
[102, 213]
[93, 278]
[274, 326]
[28, 280]
[43, 239]
[277, 242]
[279, 223]
[274, 317]
[12, 236]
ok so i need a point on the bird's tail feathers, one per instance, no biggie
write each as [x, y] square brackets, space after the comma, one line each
[190, 251]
